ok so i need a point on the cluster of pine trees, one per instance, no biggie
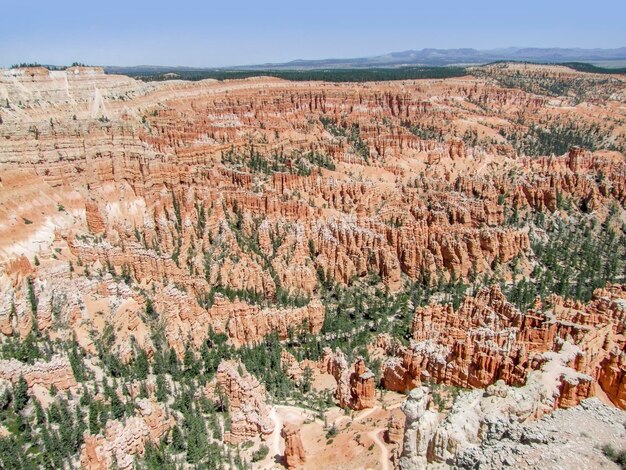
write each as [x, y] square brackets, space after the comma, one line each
[558, 136]
[573, 260]
[299, 163]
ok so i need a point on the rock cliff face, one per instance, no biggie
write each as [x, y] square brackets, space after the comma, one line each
[93, 218]
[294, 452]
[421, 423]
[362, 386]
[244, 324]
[245, 397]
[395, 430]
[488, 416]
[57, 372]
[121, 443]
[356, 385]
[494, 430]
[487, 339]
[554, 440]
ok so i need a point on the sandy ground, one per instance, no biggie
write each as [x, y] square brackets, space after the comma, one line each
[358, 444]
[384, 452]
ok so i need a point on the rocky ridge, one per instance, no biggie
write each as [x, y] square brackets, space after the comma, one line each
[488, 340]
[122, 442]
[245, 399]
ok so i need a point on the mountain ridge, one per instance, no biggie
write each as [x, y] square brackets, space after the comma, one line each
[443, 57]
[426, 57]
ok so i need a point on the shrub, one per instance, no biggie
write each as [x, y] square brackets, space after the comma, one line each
[619, 457]
[260, 453]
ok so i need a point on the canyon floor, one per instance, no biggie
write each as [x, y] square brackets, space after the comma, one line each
[264, 274]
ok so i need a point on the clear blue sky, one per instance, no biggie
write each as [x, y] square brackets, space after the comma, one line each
[208, 33]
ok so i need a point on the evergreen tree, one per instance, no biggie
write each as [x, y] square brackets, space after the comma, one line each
[117, 406]
[307, 379]
[197, 438]
[20, 394]
[190, 363]
[162, 389]
[173, 363]
[40, 415]
[178, 442]
[76, 362]
[141, 365]
[156, 458]
[94, 424]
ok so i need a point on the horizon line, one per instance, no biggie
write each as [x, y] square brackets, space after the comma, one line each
[258, 64]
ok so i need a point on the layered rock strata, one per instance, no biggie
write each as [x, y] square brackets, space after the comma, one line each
[246, 401]
[294, 455]
[487, 339]
[121, 442]
[420, 426]
[57, 372]
[505, 426]
[356, 385]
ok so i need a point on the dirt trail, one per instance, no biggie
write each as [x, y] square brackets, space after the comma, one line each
[280, 414]
[366, 413]
[274, 440]
[384, 452]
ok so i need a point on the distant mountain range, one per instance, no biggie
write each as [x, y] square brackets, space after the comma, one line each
[427, 57]
[440, 57]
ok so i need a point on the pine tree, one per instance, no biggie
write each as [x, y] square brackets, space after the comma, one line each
[94, 424]
[307, 379]
[173, 363]
[20, 394]
[162, 389]
[32, 297]
[190, 363]
[197, 438]
[141, 366]
[76, 362]
[156, 458]
[178, 442]
[40, 416]
[117, 407]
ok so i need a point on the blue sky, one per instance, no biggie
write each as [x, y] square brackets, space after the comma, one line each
[207, 33]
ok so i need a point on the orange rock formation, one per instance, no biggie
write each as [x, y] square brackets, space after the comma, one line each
[294, 452]
[356, 385]
[57, 372]
[248, 411]
[487, 339]
[122, 442]
[153, 182]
